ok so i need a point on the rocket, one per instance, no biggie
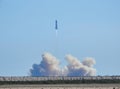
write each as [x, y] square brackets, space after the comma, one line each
[56, 26]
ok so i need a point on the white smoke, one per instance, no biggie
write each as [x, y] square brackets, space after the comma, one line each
[50, 66]
[77, 68]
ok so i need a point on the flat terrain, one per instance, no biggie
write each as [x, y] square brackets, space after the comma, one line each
[63, 86]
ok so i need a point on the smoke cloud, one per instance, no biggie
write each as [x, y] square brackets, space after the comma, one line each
[50, 66]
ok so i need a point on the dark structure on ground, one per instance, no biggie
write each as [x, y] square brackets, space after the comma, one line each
[60, 80]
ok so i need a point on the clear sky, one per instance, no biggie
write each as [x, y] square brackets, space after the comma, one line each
[87, 28]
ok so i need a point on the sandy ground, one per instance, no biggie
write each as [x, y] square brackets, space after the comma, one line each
[63, 86]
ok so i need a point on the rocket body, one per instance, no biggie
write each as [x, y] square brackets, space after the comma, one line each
[56, 25]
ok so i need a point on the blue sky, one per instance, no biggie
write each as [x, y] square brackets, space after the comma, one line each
[87, 28]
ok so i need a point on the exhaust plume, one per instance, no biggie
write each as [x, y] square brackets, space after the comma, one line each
[50, 66]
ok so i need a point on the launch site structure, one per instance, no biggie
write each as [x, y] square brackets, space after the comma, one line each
[28, 78]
